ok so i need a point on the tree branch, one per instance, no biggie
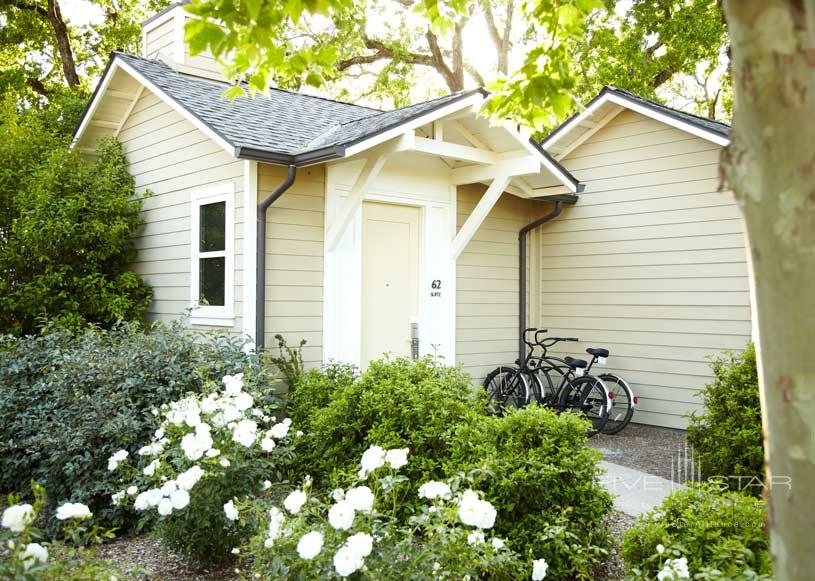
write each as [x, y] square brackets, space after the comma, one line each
[384, 52]
[438, 62]
[66, 55]
[474, 74]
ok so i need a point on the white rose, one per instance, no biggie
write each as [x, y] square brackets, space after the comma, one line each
[433, 489]
[346, 563]
[276, 520]
[267, 444]
[165, 507]
[75, 510]
[196, 443]
[230, 511]
[361, 498]
[168, 487]
[34, 552]
[245, 432]
[17, 517]
[539, 568]
[243, 401]
[476, 512]
[150, 469]
[189, 478]
[372, 458]
[295, 501]
[310, 545]
[113, 461]
[133, 490]
[498, 544]
[337, 494]
[396, 458]
[233, 384]
[360, 544]
[298, 434]
[118, 497]
[180, 499]
[341, 515]
[213, 453]
[224, 462]
[267, 484]
[279, 431]
[475, 538]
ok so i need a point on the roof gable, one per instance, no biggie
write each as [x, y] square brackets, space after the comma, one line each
[602, 108]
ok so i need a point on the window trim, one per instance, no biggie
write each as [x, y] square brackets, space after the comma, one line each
[219, 316]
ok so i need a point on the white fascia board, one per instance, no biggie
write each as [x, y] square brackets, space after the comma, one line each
[118, 64]
[475, 98]
[668, 120]
[553, 168]
[567, 127]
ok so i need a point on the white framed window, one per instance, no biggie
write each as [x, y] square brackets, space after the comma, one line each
[212, 253]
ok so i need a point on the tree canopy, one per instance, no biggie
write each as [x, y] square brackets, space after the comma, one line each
[402, 50]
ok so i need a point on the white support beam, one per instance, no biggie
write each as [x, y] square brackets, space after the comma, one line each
[438, 130]
[454, 150]
[373, 165]
[129, 110]
[479, 214]
[510, 167]
[467, 134]
[119, 94]
[566, 150]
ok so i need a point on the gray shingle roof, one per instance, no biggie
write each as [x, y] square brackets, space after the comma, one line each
[281, 124]
[722, 129]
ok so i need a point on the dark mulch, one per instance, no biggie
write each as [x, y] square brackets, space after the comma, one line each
[659, 451]
[144, 558]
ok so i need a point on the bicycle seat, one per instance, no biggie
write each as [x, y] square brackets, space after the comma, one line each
[575, 363]
[597, 352]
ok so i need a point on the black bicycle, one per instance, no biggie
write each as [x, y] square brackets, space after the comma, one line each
[623, 400]
[509, 386]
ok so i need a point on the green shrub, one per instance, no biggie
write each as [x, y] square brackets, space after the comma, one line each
[719, 534]
[69, 401]
[66, 229]
[542, 478]
[396, 403]
[727, 437]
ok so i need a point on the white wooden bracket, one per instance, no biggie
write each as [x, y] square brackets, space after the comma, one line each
[373, 165]
[479, 214]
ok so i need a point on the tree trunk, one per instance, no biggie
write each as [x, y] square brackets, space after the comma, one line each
[770, 165]
[66, 55]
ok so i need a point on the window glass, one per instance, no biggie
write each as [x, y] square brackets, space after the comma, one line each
[213, 227]
[212, 281]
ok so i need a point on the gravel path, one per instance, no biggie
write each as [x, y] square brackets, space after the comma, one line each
[659, 451]
[612, 569]
[144, 558]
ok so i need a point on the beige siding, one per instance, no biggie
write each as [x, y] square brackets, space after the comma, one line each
[171, 158]
[650, 263]
[294, 259]
[487, 282]
[159, 39]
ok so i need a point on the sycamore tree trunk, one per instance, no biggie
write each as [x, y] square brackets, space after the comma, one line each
[770, 165]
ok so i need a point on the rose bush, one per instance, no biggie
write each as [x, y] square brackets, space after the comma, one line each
[208, 452]
[359, 531]
[27, 557]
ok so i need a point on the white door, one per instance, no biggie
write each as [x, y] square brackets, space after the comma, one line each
[390, 273]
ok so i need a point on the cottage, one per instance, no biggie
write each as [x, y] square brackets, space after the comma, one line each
[417, 230]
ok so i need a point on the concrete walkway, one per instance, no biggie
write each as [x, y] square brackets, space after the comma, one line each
[635, 492]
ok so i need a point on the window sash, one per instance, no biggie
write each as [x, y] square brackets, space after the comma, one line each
[222, 315]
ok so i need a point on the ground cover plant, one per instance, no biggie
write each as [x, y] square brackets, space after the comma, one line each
[701, 532]
[68, 401]
[727, 437]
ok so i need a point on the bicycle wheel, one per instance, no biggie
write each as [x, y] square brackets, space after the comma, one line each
[506, 388]
[622, 404]
[587, 396]
[543, 386]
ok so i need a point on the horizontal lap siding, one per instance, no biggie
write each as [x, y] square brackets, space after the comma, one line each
[294, 259]
[650, 263]
[160, 39]
[169, 157]
[487, 283]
